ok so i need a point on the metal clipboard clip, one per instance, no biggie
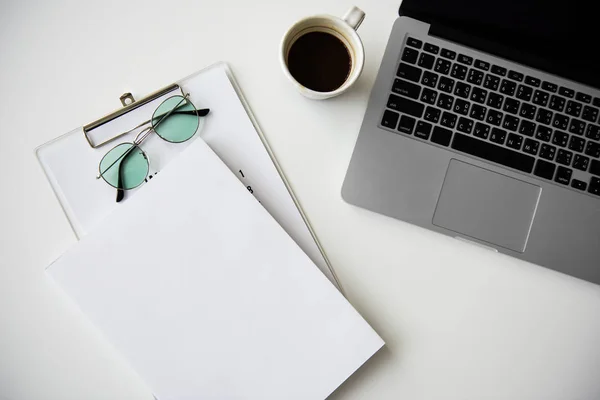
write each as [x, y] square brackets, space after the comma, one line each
[129, 104]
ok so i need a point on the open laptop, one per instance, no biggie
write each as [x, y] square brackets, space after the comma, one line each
[483, 124]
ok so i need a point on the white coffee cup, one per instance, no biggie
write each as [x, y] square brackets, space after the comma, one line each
[344, 29]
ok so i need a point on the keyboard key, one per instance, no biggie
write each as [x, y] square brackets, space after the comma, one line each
[412, 42]
[547, 152]
[409, 72]
[423, 130]
[563, 91]
[540, 98]
[445, 101]
[511, 123]
[508, 87]
[465, 125]
[475, 77]
[531, 146]
[406, 124]
[461, 106]
[563, 175]
[586, 98]
[524, 92]
[478, 112]
[406, 89]
[448, 54]
[594, 186]
[543, 133]
[448, 119]
[557, 103]
[491, 82]
[495, 100]
[511, 105]
[581, 162]
[481, 130]
[405, 106]
[498, 136]
[431, 48]
[527, 128]
[593, 132]
[590, 113]
[577, 184]
[429, 79]
[530, 80]
[551, 87]
[428, 96]
[459, 71]
[560, 138]
[515, 76]
[426, 61]
[390, 119]
[564, 157]
[410, 55]
[528, 111]
[493, 153]
[514, 141]
[465, 59]
[494, 117]
[544, 116]
[577, 144]
[498, 70]
[573, 108]
[441, 136]
[432, 114]
[577, 127]
[596, 102]
[482, 65]
[478, 95]
[442, 66]
[560, 122]
[595, 167]
[544, 169]
[462, 90]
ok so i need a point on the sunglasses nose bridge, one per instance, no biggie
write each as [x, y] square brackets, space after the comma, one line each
[140, 137]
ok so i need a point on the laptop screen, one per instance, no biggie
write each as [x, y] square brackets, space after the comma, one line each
[562, 36]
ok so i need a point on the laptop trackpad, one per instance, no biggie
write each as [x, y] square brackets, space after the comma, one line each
[488, 206]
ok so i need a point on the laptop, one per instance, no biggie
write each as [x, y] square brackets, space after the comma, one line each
[483, 125]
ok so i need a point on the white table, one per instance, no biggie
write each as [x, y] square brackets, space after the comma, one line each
[460, 322]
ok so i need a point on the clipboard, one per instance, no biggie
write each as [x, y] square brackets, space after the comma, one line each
[70, 161]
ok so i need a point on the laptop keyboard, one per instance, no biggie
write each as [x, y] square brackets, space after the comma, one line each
[495, 114]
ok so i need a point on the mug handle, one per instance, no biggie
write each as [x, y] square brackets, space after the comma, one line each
[354, 17]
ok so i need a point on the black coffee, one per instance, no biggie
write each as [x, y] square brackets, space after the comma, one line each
[319, 61]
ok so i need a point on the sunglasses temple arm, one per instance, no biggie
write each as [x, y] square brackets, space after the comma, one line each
[120, 191]
[202, 112]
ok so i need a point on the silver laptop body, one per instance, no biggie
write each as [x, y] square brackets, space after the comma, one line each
[429, 171]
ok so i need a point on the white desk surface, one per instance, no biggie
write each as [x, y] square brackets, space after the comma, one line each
[460, 322]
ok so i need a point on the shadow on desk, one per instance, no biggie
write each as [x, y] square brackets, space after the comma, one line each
[362, 382]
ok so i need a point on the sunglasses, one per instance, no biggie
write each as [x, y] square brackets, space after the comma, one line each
[126, 166]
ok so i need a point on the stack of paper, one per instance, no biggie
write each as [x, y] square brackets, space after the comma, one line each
[206, 295]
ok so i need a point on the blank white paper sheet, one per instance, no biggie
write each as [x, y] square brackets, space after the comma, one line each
[207, 297]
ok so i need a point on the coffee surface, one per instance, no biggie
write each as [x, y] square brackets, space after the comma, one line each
[319, 61]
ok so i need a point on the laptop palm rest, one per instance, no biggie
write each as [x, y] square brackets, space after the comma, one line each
[487, 206]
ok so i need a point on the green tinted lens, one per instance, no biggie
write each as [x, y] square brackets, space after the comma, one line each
[178, 126]
[128, 160]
